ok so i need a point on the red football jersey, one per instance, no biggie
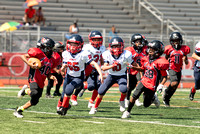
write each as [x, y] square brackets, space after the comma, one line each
[58, 61]
[153, 71]
[136, 57]
[39, 75]
[176, 56]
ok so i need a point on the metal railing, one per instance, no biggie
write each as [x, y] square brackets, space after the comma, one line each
[154, 11]
[170, 25]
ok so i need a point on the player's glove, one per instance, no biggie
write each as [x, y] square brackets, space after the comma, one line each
[159, 88]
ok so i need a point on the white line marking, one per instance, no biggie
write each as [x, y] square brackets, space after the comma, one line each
[122, 120]
[94, 122]
[34, 121]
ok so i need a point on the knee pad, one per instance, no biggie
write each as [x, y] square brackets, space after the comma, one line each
[91, 87]
[34, 101]
[146, 104]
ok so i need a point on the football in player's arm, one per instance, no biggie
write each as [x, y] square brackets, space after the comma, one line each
[37, 76]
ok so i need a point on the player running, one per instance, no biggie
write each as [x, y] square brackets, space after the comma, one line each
[196, 56]
[37, 76]
[115, 61]
[138, 50]
[74, 59]
[57, 54]
[95, 48]
[154, 66]
[176, 53]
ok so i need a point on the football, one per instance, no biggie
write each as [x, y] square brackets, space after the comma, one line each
[35, 61]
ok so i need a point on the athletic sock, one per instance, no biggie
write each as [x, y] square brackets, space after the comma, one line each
[193, 90]
[94, 96]
[65, 103]
[97, 102]
[59, 103]
[123, 96]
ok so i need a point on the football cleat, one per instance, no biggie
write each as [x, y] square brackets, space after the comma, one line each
[126, 103]
[21, 93]
[56, 94]
[126, 114]
[122, 106]
[156, 101]
[81, 92]
[62, 110]
[18, 113]
[166, 103]
[191, 96]
[90, 105]
[138, 103]
[74, 102]
[93, 110]
[49, 96]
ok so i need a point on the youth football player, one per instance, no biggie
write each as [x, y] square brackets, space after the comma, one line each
[115, 61]
[57, 54]
[196, 56]
[95, 48]
[74, 60]
[154, 66]
[176, 53]
[37, 76]
[138, 50]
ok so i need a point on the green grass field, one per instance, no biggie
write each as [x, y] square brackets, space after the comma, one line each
[183, 117]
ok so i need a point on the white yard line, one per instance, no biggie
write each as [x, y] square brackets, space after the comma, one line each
[122, 120]
[34, 121]
[94, 122]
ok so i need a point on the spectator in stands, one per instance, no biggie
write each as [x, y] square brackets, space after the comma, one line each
[113, 32]
[39, 16]
[29, 16]
[73, 29]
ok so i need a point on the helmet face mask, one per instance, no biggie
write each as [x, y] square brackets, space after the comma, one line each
[155, 49]
[116, 46]
[46, 44]
[74, 44]
[176, 40]
[59, 47]
[137, 41]
[95, 39]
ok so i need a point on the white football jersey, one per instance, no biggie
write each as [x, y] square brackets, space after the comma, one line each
[96, 53]
[120, 69]
[76, 62]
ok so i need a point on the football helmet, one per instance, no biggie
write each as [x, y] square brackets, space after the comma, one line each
[176, 40]
[46, 44]
[116, 46]
[75, 38]
[158, 46]
[58, 46]
[197, 49]
[95, 35]
[136, 37]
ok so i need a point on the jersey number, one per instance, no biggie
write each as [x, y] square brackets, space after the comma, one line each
[117, 68]
[45, 70]
[177, 59]
[149, 74]
[96, 58]
[73, 66]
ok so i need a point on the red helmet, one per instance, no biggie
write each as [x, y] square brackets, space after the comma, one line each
[114, 42]
[95, 35]
[75, 38]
